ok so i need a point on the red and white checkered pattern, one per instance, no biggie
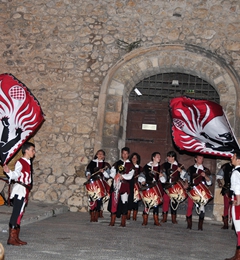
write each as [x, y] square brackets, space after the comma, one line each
[16, 92]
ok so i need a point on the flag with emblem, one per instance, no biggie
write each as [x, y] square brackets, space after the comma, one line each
[200, 126]
[20, 116]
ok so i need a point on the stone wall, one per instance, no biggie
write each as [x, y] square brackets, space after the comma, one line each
[63, 50]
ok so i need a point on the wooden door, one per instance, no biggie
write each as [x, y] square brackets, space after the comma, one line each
[145, 142]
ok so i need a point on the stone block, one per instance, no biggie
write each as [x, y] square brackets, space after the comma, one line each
[75, 201]
[112, 118]
[73, 187]
[39, 196]
[116, 86]
[66, 194]
[73, 209]
[79, 181]
[43, 187]
[51, 179]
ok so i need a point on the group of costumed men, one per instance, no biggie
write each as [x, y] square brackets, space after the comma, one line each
[127, 172]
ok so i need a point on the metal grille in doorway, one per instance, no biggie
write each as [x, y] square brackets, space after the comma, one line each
[165, 86]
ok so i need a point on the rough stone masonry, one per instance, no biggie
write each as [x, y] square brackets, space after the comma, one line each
[63, 50]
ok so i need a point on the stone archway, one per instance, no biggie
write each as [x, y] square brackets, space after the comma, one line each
[145, 62]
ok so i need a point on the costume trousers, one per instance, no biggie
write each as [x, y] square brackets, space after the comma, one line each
[115, 200]
[155, 210]
[166, 203]
[227, 205]
[18, 210]
[135, 206]
[189, 207]
[96, 205]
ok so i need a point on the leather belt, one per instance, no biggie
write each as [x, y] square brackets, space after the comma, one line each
[24, 185]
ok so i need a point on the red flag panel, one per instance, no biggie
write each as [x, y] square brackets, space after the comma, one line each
[200, 126]
[20, 115]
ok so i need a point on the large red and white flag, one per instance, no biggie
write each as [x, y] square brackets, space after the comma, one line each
[200, 126]
[20, 116]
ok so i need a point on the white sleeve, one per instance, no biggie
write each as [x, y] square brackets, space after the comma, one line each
[129, 175]
[163, 179]
[141, 177]
[87, 173]
[112, 172]
[13, 175]
[235, 182]
[183, 175]
[106, 173]
[220, 174]
[209, 183]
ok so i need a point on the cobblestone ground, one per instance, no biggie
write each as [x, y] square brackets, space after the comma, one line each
[72, 236]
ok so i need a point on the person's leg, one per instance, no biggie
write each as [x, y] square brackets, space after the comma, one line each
[18, 239]
[98, 209]
[174, 205]
[135, 210]
[93, 206]
[155, 216]
[13, 222]
[237, 227]
[189, 213]
[225, 211]
[112, 207]
[200, 221]
[165, 207]
[145, 217]
[124, 199]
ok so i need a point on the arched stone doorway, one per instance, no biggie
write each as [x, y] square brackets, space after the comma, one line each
[145, 62]
[149, 119]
